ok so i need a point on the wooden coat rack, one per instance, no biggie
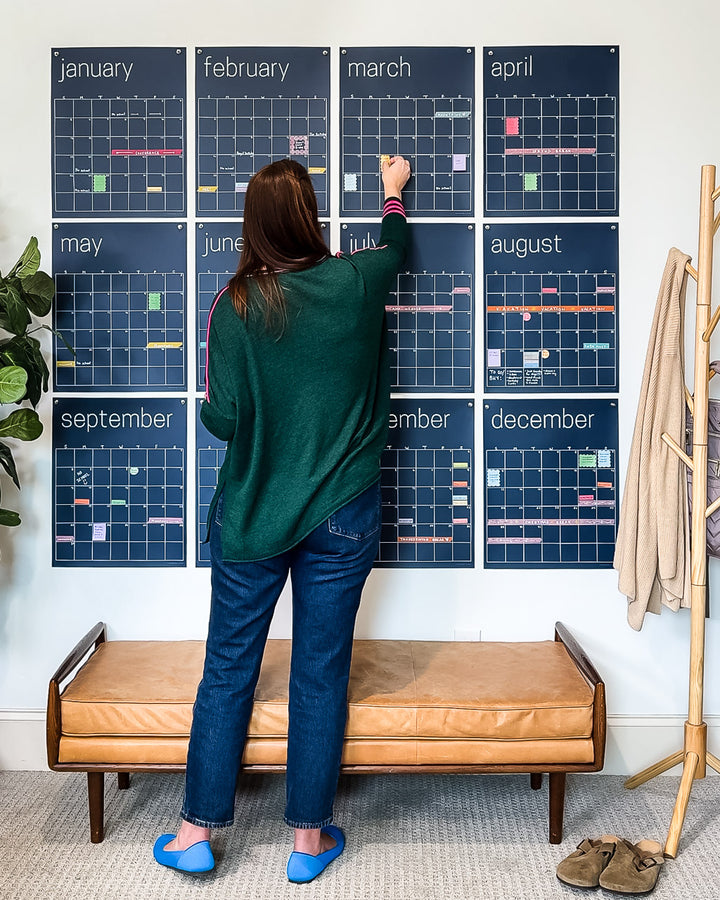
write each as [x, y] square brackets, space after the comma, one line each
[694, 755]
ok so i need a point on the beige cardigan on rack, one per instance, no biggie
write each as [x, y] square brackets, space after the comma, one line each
[652, 552]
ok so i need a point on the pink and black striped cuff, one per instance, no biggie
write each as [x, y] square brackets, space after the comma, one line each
[393, 205]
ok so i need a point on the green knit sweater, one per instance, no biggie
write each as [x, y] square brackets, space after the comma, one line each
[305, 415]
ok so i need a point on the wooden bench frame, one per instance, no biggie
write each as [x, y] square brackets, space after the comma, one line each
[556, 771]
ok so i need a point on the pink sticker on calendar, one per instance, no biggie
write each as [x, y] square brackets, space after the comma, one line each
[512, 125]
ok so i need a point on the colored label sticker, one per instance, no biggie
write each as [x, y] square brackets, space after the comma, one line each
[99, 184]
[530, 181]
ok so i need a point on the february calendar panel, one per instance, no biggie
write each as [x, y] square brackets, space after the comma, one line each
[427, 485]
[551, 307]
[551, 131]
[550, 483]
[210, 457]
[430, 312]
[119, 482]
[416, 102]
[256, 105]
[118, 131]
[120, 304]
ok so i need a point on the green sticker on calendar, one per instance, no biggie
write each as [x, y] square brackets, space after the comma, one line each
[530, 181]
[154, 300]
[99, 184]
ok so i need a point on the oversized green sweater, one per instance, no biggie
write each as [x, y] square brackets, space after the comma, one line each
[305, 415]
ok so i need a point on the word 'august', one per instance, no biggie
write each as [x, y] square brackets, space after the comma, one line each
[228, 68]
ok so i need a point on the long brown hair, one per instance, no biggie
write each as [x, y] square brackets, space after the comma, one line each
[281, 233]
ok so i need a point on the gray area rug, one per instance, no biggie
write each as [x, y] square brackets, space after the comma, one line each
[413, 836]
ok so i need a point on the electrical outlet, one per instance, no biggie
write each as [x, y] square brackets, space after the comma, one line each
[466, 634]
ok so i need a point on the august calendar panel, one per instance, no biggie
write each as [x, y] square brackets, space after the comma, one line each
[256, 105]
[416, 102]
[118, 131]
[119, 482]
[551, 307]
[551, 131]
[430, 312]
[120, 304]
[550, 483]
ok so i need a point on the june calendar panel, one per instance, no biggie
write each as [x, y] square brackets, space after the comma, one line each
[119, 482]
[118, 131]
[430, 311]
[256, 105]
[551, 307]
[550, 483]
[551, 131]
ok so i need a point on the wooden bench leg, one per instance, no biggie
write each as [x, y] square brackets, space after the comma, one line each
[557, 806]
[123, 781]
[536, 780]
[96, 798]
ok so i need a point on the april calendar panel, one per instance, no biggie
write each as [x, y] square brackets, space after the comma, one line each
[430, 315]
[119, 482]
[256, 105]
[551, 307]
[551, 131]
[427, 485]
[210, 457]
[550, 483]
[120, 304]
[416, 102]
[118, 131]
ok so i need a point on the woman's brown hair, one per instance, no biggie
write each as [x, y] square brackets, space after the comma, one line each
[281, 233]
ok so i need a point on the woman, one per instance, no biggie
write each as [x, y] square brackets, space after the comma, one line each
[297, 383]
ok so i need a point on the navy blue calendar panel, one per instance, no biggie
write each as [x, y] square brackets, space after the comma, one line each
[416, 102]
[430, 311]
[551, 307]
[118, 131]
[256, 105]
[551, 131]
[120, 304]
[427, 485]
[210, 457]
[119, 482]
[550, 483]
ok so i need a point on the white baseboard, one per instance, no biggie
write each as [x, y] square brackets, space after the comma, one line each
[633, 742]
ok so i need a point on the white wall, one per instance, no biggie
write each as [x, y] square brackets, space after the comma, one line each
[670, 78]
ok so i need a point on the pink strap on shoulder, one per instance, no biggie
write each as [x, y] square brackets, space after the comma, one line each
[207, 345]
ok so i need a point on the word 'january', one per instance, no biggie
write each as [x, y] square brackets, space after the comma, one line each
[94, 70]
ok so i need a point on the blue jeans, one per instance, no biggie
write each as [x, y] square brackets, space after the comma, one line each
[328, 570]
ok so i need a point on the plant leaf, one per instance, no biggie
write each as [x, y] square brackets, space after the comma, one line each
[8, 463]
[39, 289]
[8, 517]
[23, 351]
[13, 383]
[29, 262]
[23, 424]
[15, 316]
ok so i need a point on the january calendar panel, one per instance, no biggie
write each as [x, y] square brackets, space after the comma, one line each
[119, 482]
[551, 307]
[120, 305]
[430, 309]
[256, 105]
[210, 457]
[416, 102]
[118, 131]
[427, 485]
[550, 483]
[551, 130]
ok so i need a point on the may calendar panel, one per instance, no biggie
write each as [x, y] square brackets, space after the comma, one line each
[551, 307]
[256, 105]
[551, 131]
[416, 102]
[427, 485]
[120, 303]
[118, 131]
[550, 483]
[210, 457]
[119, 482]
[430, 311]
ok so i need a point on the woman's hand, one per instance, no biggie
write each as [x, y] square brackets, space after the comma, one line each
[395, 174]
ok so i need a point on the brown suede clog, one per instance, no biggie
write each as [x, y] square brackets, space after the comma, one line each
[634, 868]
[584, 866]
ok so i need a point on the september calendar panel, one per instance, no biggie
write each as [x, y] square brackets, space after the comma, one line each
[551, 307]
[551, 131]
[256, 105]
[118, 131]
[427, 485]
[550, 483]
[119, 482]
[120, 304]
[430, 313]
[416, 102]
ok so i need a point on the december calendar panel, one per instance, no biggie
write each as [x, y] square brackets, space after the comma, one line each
[551, 307]
[118, 131]
[416, 102]
[551, 131]
[120, 303]
[119, 482]
[210, 457]
[550, 483]
[256, 105]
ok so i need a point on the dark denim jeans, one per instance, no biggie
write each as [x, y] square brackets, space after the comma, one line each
[328, 570]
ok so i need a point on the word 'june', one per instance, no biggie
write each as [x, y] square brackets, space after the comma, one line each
[228, 68]
[94, 70]
[222, 245]
[392, 69]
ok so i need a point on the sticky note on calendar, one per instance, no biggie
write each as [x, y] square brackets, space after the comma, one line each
[99, 531]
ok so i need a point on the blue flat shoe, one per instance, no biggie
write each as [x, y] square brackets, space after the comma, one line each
[197, 858]
[303, 867]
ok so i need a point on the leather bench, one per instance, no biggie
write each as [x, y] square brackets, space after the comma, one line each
[414, 706]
